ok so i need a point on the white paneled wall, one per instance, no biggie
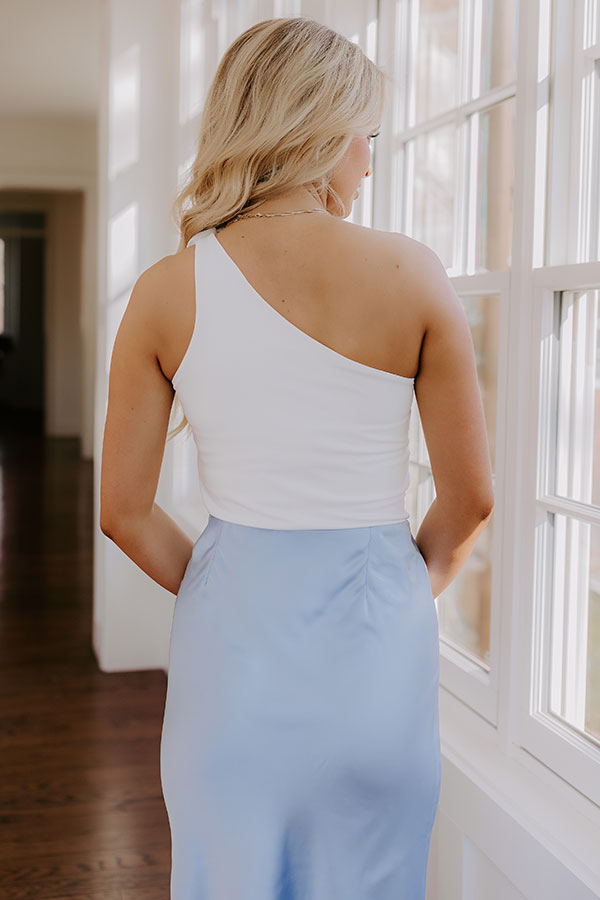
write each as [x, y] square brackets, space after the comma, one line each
[138, 129]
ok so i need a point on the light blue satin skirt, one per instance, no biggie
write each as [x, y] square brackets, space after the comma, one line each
[300, 752]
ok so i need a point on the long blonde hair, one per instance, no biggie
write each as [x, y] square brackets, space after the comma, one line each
[288, 97]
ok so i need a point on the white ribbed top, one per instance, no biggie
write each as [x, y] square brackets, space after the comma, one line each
[290, 433]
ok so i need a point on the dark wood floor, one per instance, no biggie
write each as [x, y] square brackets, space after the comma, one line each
[81, 810]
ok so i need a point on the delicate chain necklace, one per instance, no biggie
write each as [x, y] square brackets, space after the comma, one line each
[269, 215]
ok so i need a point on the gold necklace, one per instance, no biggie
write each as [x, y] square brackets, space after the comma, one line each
[269, 215]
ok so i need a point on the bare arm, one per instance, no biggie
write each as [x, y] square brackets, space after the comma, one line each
[139, 404]
[451, 412]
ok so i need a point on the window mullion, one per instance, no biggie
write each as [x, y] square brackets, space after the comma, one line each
[472, 129]
[562, 187]
[463, 191]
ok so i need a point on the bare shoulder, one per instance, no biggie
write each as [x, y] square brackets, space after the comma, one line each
[162, 306]
[161, 281]
[399, 255]
[406, 269]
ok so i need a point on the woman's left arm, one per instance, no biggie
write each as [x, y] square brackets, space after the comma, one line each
[140, 398]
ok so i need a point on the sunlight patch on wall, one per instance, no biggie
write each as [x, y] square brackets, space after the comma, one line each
[124, 111]
[122, 250]
[192, 60]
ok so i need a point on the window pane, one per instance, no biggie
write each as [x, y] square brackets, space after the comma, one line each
[464, 607]
[589, 208]
[431, 162]
[591, 22]
[416, 440]
[436, 64]
[420, 493]
[498, 43]
[1, 286]
[483, 313]
[577, 435]
[574, 559]
[495, 186]
[11, 265]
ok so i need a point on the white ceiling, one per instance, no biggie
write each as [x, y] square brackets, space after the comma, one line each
[49, 57]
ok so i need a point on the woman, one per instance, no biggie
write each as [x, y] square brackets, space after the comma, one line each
[300, 753]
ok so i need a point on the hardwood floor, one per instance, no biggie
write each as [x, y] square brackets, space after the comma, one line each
[81, 810]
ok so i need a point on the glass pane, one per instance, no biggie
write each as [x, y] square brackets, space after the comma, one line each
[431, 191]
[577, 436]
[588, 245]
[483, 313]
[498, 43]
[592, 22]
[464, 607]
[435, 73]
[2, 326]
[574, 655]
[13, 270]
[419, 495]
[417, 447]
[495, 186]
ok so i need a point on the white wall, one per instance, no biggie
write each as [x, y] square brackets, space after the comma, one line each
[138, 133]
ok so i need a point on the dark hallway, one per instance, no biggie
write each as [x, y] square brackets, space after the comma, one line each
[82, 815]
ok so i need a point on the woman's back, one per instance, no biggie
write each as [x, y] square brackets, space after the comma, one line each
[288, 380]
[377, 299]
[306, 611]
[349, 287]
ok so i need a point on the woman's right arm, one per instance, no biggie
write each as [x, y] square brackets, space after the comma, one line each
[140, 397]
[451, 412]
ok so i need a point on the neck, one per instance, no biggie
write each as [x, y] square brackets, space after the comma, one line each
[294, 199]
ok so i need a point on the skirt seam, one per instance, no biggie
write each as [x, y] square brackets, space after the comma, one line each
[213, 551]
[367, 565]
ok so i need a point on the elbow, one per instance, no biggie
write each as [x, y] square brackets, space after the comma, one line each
[109, 523]
[479, 506]
[106, 527]
[119, 522]
[475, 508]
[486, 510]
[485, 507]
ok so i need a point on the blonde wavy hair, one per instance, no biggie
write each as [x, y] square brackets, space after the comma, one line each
[288, 97]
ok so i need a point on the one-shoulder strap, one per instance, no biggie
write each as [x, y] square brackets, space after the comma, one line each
[199, 234]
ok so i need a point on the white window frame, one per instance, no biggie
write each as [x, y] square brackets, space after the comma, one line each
[570, 235]
[493, 711]
[571, 754]
[476, 684]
